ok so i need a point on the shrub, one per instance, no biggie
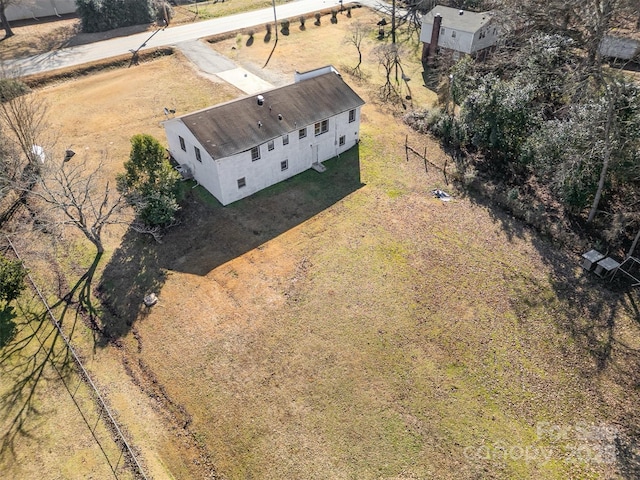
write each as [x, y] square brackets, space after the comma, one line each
[163, 12]
[149, 183]
[12, 274]
[438, 123]
[103, 15]
[285, 27]
[11, 88]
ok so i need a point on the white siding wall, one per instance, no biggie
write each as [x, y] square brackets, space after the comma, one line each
[205, 172]
[39, 8]
[462, 42]
[220, 177]
[425, 32]
[490, 38]
[267, 170]
[465, 42]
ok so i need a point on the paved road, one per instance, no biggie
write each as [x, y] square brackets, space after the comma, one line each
[69, 57]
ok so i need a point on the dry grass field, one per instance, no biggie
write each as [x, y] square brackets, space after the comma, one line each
[51, 427]
[343, 325]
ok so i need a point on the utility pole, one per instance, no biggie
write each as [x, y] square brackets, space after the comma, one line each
[393, 22]
[393, 35]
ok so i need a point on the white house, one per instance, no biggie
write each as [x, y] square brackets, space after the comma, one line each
[240, 147]
[457, 30]
[39, 8]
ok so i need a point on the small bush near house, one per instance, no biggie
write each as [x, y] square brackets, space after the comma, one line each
[149, 183]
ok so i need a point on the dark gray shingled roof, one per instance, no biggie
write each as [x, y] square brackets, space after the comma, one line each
[451, 18]
[239, 125]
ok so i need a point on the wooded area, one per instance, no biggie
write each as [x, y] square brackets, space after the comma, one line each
[548, 121]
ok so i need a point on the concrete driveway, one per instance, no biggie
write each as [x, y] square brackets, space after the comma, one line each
[210, 62]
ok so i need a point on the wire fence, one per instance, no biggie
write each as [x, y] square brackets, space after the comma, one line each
[104, 412]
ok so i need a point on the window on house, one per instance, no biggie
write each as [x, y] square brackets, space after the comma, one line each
[255, 153]
[342, 140]
[182, 145]
[321, 127]
[198, 157]
[352, 116]
[285, 140]
[284, 165]
[242, 182]
[270, 145]
[302, 133]
[453, 33]
[442, 31]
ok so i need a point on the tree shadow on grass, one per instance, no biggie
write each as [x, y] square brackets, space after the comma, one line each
[7, 325]
[25, 362]
[33, 352]
[210, 235]
[599, 318]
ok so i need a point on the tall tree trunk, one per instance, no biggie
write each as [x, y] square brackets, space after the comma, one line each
[602, 13]
[606, 157]
[633, 245]
[5, 24]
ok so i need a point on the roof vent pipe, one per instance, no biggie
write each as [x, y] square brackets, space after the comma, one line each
[260, 100]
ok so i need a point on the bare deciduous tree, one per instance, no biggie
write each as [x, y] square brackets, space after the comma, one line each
[70, 195]
[388, 57]
[4, 4]
[72, 191]
[409, 17]
[23, 129]
[24, 114]
[357, 32]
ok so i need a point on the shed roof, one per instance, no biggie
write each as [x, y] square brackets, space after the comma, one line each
[451, 18]
[239, 125]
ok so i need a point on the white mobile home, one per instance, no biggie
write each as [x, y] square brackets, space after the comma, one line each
[240, 147]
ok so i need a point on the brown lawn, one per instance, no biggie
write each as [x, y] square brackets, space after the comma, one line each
[346, 325]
